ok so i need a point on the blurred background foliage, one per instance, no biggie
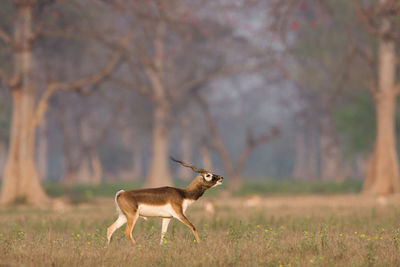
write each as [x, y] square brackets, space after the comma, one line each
[268, 92]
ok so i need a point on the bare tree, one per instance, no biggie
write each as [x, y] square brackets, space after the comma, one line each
[20, 175]
[4, 107]
[172, 57]
[234, 167]
[326, 71]
[92, 123]
[383, 170]
[378, 20]
[305, 152]
[42, 150]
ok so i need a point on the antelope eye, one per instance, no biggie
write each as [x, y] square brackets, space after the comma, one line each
[208, 175]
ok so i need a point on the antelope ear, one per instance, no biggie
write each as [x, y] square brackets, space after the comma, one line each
[207, 177]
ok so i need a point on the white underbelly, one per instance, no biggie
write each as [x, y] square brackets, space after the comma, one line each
[159, 211]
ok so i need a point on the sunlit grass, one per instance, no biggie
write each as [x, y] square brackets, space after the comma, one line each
[233, 237]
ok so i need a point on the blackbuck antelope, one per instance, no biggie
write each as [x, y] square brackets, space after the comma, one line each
[165, 202]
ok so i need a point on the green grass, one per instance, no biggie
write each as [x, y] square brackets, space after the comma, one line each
[80, 193]
[292, 187]
[356, 236]
[56, 189]
[85, 193]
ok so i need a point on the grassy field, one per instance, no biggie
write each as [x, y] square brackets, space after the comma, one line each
[346, 230]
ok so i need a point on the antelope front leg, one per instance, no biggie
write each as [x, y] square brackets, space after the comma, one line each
[185, 221]
[165, 223]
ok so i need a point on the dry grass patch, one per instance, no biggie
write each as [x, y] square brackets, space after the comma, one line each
[280, 235]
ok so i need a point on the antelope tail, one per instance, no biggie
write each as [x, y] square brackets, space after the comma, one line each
[116, 203]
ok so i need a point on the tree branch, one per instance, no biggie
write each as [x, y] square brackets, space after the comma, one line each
[254, 142]
[230, 167]
[364, 17]
[94, 77]
[13, 82]
[366, 55]
[41, 107]
[397, 89]
[193, 84]
[5, 37]
[143, 90]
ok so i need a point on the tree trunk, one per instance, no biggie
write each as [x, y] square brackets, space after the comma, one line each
[76, 169]
[84, 171]
[370, 171]
[71, 171]
[235, 180]
[11, 178]
[3, 155]
[312, 160]
[300, 152]
[330, 154]
[186, 149]
[383, 173]
[159, 173]
[70, 175]
[42, 151]
[85, 136]
[383, 170]
[97, 169]
[70, 168]
[79, 173]
[21, 181]
[137, 170]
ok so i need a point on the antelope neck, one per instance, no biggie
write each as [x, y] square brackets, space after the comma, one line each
[194, 191]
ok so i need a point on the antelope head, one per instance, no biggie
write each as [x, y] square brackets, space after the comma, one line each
[206, 178]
